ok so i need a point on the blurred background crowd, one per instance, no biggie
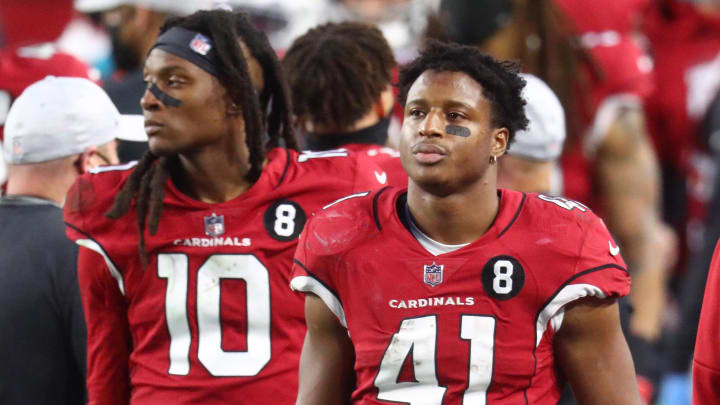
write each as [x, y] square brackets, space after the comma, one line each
[639, 82]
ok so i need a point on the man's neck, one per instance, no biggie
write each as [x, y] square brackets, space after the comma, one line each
[457, 218]
[213, 177]
[39, 182]
[375, 134]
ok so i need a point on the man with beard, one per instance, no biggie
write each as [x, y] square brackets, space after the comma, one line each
[133, 27]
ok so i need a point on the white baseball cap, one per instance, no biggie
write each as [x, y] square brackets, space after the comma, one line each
[544, 138]
[62, 116]
[180, 7]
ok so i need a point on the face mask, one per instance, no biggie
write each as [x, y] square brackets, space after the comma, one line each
[124, 56]
[472, 22]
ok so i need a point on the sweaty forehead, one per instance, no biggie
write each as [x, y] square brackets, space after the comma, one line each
[446, 86]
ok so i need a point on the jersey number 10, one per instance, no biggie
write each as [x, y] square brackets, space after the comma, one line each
[174, 268]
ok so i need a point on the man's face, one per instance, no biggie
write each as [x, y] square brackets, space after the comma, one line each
[124, 36]
[447, 136]
[202, 117]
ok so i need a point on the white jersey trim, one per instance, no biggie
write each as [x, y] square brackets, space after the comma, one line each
[103, 169]
[309, 284]
[95, 247]
[363, 194]
[553, 312]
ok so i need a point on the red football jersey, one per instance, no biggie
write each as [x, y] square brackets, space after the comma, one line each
[706, 362]
[21, 67]
[388, 159]
[210, 320]
[471, 326]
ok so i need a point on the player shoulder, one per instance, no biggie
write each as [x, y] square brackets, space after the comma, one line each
[557, 206]
[560, 215]
[347, 222]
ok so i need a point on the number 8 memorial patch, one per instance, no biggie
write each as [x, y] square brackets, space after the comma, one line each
[503, 277]
[284, 220]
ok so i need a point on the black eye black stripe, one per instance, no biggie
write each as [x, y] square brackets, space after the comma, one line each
[457, 130]
[166, 99]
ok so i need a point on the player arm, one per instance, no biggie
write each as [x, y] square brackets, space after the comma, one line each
[326, 362]
[630, 178]
[592, 353]
[108, 335]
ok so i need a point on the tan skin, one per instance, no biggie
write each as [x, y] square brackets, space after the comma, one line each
[629, 176]
[523, 174]
[206, 132]
[459, 182]
[52, 180]
[138, 26]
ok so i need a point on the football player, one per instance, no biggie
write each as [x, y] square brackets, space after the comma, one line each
[454, 291]
[336, 112]
[187, 255]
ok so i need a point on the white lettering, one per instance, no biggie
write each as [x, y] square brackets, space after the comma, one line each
[212, 242]
[434, 301]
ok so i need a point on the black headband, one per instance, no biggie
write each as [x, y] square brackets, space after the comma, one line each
[192, 46]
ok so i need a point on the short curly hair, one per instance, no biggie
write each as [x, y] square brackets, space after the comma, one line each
[337, 71]
[501, 81]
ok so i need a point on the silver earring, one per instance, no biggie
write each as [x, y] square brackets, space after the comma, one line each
[493, 159]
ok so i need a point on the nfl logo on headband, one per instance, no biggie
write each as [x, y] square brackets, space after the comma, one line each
[201, 44]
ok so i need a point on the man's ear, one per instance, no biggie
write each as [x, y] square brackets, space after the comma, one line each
[500, 141]
[232, 110]
[89, 159]
[386, 101]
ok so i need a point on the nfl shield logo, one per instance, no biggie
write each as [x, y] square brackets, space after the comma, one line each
[433, 274]
[214, 225]
[200, 44]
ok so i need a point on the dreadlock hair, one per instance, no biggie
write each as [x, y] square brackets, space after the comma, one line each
[501, 83]
[337, 71]
[271, 109]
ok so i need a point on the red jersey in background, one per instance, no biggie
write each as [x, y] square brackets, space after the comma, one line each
[706, 361]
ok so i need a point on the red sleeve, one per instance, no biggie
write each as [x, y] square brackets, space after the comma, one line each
[109, 342]
[599, 272]
[600, 263]
[706, 362]
[335, 230]
[313, 272]
[369, 175]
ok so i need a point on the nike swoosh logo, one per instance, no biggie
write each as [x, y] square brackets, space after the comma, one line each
[381, 177]
[614, 250]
